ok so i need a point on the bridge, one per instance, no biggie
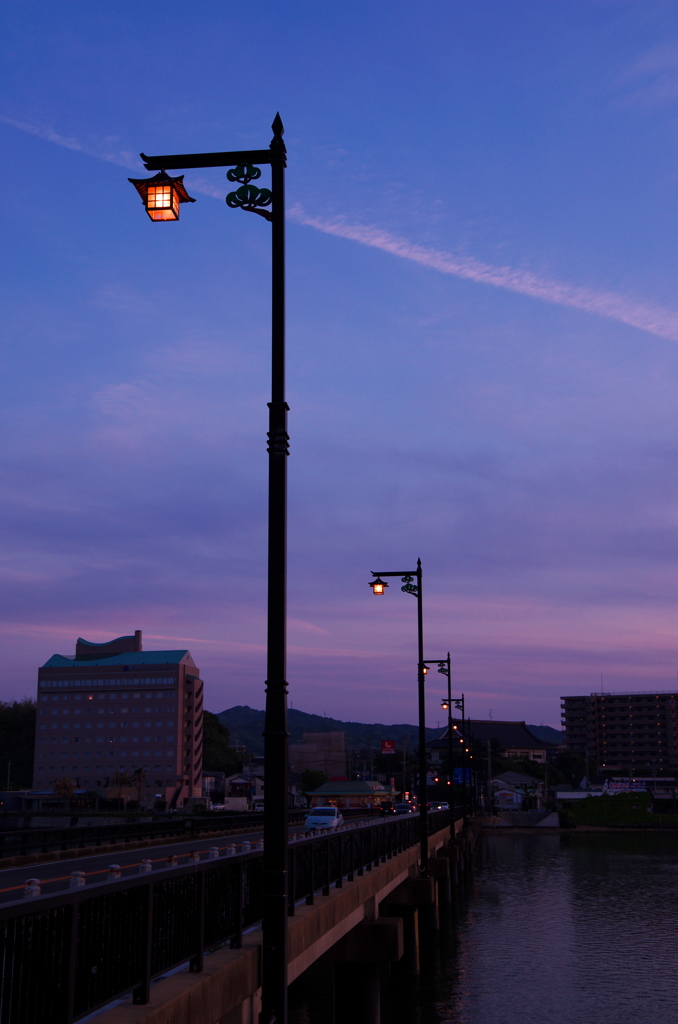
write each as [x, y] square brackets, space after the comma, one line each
[356, 899]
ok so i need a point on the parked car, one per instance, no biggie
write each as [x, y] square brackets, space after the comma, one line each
[320, 818]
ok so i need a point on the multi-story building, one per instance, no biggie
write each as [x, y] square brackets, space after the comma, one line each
[321, 751]
[628, 731]
[114, 708]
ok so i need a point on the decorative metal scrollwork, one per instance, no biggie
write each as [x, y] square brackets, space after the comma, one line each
[442, 667]
[249, 197]
[410, 587]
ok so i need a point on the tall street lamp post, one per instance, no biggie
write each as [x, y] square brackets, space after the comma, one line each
[410, 587]
[162, 196]
[445, 669]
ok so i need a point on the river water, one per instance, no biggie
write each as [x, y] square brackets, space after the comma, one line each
[555, 929]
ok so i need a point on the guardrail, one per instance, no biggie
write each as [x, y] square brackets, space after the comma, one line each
[64, 956]
[47, 840]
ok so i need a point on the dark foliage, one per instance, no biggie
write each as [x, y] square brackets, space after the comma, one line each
[218, 756]
[312, 779]
[17, 742]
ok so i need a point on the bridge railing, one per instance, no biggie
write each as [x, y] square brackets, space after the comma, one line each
[16, 842]
[64, 956]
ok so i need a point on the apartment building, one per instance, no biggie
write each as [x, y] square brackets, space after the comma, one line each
[114, 707]
[629, 731]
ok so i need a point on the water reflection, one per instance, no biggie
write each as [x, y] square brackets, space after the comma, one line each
[562, 929]
[556, 929]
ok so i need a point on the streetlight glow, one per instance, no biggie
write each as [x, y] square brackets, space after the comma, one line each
[378, 586]
[162, 195]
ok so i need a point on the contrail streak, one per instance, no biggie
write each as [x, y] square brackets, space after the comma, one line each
[657, 320]
[654, 319]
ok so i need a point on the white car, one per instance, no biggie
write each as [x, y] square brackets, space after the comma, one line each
[323, 817]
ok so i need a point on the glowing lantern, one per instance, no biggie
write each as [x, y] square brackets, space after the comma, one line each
[161, 195]
[378, 585]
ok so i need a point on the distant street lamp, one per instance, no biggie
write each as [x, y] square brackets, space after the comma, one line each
[460, 706]
[410, 587]
[444, 667]
[162, 196]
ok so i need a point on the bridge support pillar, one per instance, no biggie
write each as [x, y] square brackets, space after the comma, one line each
[439, 868]
[410, 923]
[412, 896]
[357, 993]
[358, 957]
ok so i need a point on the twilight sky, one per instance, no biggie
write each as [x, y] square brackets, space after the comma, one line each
[482, 332]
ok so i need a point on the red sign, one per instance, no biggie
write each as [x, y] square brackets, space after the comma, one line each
[388, 746]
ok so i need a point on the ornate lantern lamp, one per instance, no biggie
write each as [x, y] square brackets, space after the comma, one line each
[161, 195]
[378, 585]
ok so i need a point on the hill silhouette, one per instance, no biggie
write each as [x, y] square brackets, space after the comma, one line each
[246, 726]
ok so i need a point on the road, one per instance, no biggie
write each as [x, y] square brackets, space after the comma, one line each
[55, 876]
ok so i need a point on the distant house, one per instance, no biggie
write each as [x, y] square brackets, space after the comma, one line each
[527, 790]
[513, 739]
[250, 784]
[505, 798]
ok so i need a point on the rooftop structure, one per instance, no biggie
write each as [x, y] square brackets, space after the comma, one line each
[514, 739]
